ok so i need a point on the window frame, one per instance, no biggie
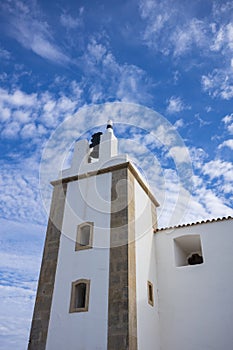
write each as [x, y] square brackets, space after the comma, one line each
[73, 297]
[78, 245]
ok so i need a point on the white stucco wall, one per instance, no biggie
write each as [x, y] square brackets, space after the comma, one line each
[195, 302]
[83, 330]
[147, 316]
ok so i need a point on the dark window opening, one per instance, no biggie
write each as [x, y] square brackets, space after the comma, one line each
[80, 295]
[85, 235]
[150, 293]
[94, 146]
[195, 259]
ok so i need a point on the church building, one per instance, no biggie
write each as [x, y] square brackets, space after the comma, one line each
[111, 280]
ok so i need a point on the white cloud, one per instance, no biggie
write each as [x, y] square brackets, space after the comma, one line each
[11, 130]
[70, 22]
[223, 38]
[228, 121]
[168, 32]
[97, 51]
[176, 105]
[4, 54]
[66, 104]
[226, 143]
[23, 116]
[124, 82]
[33, 33]
[218, 168]
[42, 47]
[179, 154]
[176, 76]
[20, 255]
[17, 98]
[202, 122]
[30, 115]
[164, 135]
[29, 130]
[5, 113]
[230, 128]
[184, 38]
[156, 18]
[19, 192]
[219, 83]
[228, 118]
[198, 157]
[16, 312]
[179, 124]
[212, 203]
[208, 109]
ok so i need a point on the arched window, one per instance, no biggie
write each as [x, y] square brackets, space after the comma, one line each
[80, 295]
[84, 239]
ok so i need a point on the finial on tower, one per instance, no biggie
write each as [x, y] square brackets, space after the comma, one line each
[109, 124]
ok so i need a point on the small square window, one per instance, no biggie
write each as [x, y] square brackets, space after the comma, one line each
[80, 295]
[150, 293]
[188, 250]
[84, 238]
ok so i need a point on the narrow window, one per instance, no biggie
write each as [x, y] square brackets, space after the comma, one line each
[80, 295]
[188, 250]
[84, 237]
[150, 293]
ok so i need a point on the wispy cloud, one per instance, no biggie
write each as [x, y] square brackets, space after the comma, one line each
[110, 79]
[228, 121]
[4, 54]
[27, 27]
[176, 105]
[219, 83]
[21, 242]
[192, 34]
[228, 118]
[168, 32]
[201, 121]
[179, 124]
[71, 22]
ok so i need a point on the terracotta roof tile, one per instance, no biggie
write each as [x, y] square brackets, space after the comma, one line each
[194, 223]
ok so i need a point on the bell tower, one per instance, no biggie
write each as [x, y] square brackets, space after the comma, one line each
[97, 285]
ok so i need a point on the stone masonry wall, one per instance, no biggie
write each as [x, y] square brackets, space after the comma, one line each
[122, 320]
[41, 315]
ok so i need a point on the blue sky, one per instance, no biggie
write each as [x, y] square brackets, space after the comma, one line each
[72, 65]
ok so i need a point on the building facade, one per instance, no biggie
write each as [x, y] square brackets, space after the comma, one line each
[111, 280]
